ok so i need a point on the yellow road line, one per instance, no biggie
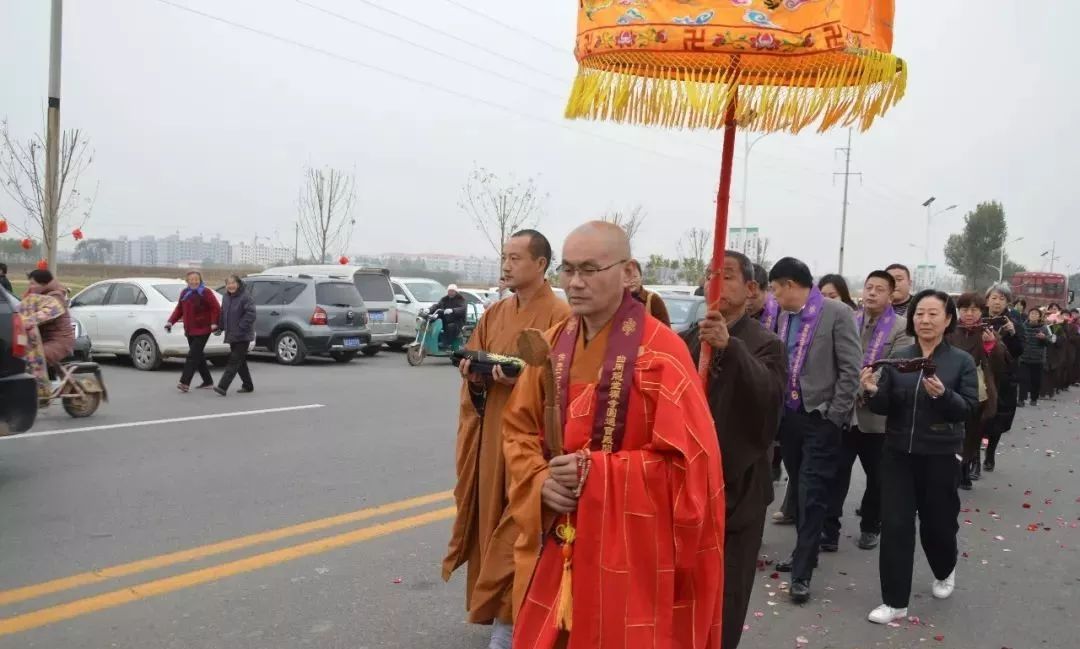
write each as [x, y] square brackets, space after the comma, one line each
[183, 556]
[157, 587]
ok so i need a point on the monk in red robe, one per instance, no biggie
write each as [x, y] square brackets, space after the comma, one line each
[638, 476]
[483, 535]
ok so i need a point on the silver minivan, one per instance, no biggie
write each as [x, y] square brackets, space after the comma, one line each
[374, 287]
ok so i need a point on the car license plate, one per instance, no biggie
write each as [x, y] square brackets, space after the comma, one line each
[377, 316]
[352, 343]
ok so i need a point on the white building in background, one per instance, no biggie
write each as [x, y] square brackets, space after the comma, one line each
[482, 270]
[134, 252]
[245, 254]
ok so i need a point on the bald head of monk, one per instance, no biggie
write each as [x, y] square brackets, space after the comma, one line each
[595, 271]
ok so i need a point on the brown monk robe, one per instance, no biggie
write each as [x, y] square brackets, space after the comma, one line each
[746, 394]
[654, 304]
[481, 487]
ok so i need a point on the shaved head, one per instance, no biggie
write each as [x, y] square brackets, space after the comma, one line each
[595, 271]
[608, 236]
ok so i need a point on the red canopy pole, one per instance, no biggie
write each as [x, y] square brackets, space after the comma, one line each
[723, 197]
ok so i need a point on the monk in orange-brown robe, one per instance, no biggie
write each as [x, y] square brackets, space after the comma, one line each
[481, 486]
[638, 475]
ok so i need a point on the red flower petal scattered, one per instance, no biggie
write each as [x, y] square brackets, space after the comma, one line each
[1026, 505]
[775, 575]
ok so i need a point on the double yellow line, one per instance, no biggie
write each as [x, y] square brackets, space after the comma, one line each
[67, 611]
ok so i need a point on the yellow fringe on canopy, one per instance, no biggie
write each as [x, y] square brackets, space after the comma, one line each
[848, 88]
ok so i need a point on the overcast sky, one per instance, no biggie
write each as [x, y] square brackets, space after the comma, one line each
[204, 128]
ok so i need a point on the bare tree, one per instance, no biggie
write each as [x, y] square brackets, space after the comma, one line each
[695, 249]
[22, 173]
[630, 222]
[325, 205]
[498, 210]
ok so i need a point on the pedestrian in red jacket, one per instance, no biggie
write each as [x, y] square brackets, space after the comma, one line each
[199, 309]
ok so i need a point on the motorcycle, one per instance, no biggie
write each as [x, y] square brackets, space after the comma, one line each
[79, 387]
[428, 342]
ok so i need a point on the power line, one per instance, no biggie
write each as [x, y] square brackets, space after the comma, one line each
[464, 41]
[477, 12]
[431, 50]
[416, 81]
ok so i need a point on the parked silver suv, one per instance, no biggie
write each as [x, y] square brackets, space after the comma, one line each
[374, 286]
[299, 316]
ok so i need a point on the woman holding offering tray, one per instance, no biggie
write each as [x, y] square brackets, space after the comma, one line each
[920, 465]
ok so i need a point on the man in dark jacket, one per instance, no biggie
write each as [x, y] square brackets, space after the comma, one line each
[745, 390]
[451, 309]
[237, 321]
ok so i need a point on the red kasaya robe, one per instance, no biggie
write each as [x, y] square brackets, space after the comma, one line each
[648, 555]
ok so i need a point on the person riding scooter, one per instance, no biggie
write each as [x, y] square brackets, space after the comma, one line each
[45, 314]
[451, 309]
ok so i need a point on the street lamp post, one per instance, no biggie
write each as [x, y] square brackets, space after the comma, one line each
[1001, 268]
[748, 145]
[930, 214]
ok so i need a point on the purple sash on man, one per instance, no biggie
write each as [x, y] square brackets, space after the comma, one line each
[882, 330]
[769, 313]
[810, 316]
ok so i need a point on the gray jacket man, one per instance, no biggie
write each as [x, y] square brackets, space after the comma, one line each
[867, 438]
[824, 360]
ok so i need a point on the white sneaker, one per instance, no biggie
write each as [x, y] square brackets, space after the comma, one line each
[885, 614]
[943, 588]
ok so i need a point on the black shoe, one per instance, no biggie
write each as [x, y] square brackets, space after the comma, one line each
[976, 469]
[1020, 404]
[858, 511]
[1034, 402]
[829, 545]
[988, 465]
[221, 392]
[965, 485]
[800, 591]
[245, 390]
[785, 565]
[868, 540]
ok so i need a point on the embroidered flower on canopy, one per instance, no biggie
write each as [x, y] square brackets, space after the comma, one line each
[625, 39]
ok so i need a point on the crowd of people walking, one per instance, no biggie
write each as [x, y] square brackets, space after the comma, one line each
[800, 373]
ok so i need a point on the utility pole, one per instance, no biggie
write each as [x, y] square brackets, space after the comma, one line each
[296, 243]
[747, 146]
[1053, 255]
[52, 137]
[847, 174]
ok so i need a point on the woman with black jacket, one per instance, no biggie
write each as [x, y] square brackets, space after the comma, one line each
[998, 298]
[238, 324]
[920, 465]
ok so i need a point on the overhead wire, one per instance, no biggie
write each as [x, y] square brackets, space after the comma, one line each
[431, 50]
[517, 30]
[419, 82]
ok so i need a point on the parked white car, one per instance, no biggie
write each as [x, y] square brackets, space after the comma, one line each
[127, 317]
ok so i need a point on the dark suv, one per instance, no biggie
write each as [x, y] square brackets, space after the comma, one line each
[298, 316]
[18, 390]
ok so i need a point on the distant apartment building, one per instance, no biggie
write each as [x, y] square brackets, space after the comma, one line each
[246, 254]
[133, 252]
[470, 269]
[174, 251]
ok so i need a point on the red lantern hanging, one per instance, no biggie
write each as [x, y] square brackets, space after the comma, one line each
[3, 226]
[77, 233]
[26, 244]
[343, 260]
[43, 264]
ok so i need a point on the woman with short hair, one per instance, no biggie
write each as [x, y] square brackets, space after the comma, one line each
[925, 414]
[199, 310]
[998, 298]
[237, 322]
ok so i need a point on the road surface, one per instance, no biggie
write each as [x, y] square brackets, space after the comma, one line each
[316, 514]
